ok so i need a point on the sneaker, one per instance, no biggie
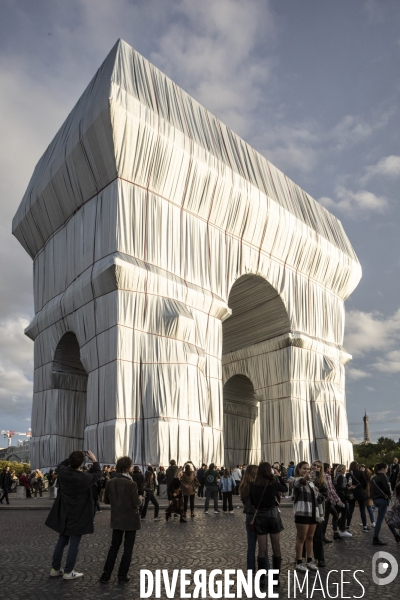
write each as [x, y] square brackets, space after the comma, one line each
[366, 528]
[55, 573]
[300, 567]
[72, 575]
[143, 519]
[216, 512]
[231, 512]
[344, 534]
[312, 566]
[104, 579]
[157, 518]
[372, 524]
[206, 512]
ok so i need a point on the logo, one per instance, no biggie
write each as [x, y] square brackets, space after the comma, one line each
[381, 574]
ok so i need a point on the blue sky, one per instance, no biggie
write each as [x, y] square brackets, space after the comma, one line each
[312, 85]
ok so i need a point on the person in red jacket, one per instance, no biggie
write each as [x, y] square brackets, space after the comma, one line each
[23, 480]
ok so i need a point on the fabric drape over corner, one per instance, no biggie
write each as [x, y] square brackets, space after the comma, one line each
[178, 257]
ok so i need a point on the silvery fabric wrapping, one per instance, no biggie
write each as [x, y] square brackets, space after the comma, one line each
[170, 258]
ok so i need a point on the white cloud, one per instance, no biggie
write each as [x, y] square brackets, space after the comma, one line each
[210, 50]
[353, 129]
[356, 374]
[388, 166]
[370, 331]
[355, 204]
[390, 363]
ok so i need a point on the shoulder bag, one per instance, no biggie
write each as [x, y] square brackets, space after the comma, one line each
[252, 524]
[359, 494]
[385, 496]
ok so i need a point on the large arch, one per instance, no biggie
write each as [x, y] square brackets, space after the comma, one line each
[258, 315]
[70, 378]
[158, 238]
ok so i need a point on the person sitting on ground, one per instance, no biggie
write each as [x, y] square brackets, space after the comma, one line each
[121, 492]
[72, 512]
[176, 504]
[24, 481]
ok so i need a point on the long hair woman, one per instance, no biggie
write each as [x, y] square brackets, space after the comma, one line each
[305, 506]
[369, 502]
[317, 476]
[341, 488]
[244, 491]
[227, 486]
[189, 485]
[267, 519]
[150, 484]
[357, 486]
[333, 505]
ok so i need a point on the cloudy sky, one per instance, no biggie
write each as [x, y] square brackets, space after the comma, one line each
[312, 85]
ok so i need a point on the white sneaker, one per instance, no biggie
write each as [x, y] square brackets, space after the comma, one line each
[54, 573]
[372, 524]
[344, 534]
[312, 566]
[216, 512]
[206, 512]
[157, 518]
[72, 575]
[300, 567]
[231, 512]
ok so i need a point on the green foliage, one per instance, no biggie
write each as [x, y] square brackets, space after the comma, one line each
[19, 468]
[385, 450]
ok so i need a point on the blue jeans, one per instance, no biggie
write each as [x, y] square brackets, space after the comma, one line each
[382, 506]
[211, 492]
[150, 498]
[72, 555]
[251, 547]
[371, 514]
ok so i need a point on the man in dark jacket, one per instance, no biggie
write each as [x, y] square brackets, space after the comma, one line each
[5, 484]
[200, 479]
[72, 512]
[211, 480]
[171, 473]
[122, 493]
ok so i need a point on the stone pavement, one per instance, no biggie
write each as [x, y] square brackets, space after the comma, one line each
[205, 542]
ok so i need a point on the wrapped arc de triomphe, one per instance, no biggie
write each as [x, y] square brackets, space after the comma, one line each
[189, 297]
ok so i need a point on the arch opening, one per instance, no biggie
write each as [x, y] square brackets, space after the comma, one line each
[258, 314]
[70, 378]
[241, 422]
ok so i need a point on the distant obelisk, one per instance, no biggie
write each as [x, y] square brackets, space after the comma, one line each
[366, 428]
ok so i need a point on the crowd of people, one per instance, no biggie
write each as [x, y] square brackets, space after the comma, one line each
[34, 482]
[319, 492]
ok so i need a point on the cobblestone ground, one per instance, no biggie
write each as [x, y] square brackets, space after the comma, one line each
[205, 542]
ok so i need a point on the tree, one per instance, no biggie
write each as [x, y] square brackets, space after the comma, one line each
[384, 450]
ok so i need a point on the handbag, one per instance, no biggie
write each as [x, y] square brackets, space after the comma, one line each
[360, 494]
[252, 524]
